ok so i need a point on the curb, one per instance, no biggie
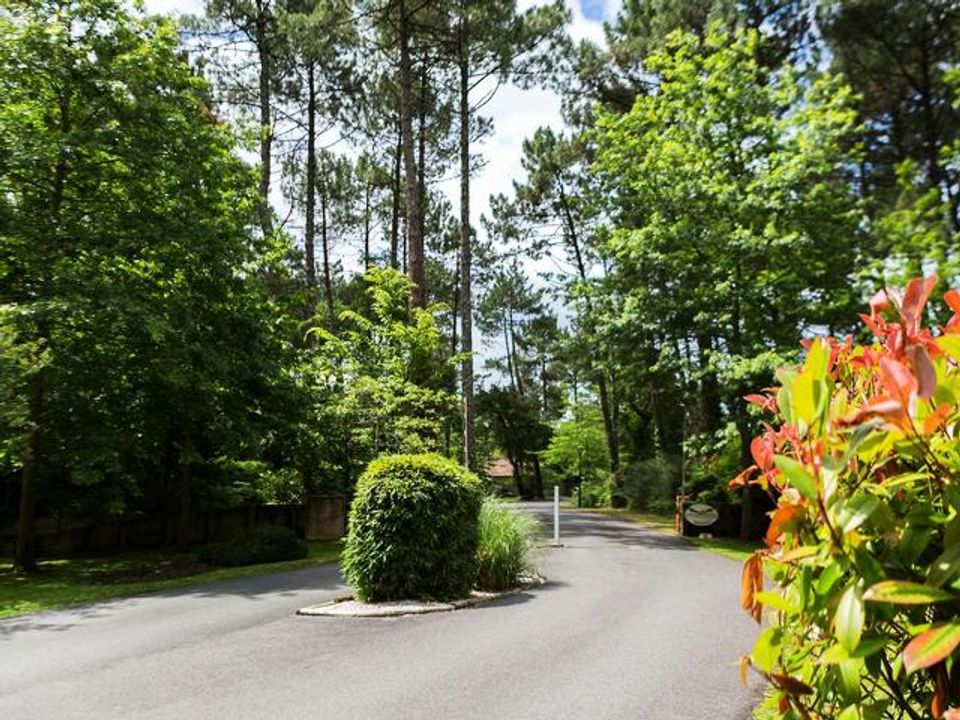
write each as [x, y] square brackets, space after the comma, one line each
[346, 606]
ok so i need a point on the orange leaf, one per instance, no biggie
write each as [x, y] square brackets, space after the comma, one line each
[743, 478]
[782, 517]
[941, 690]
[751, 582]
[744, 669]
[937, 418]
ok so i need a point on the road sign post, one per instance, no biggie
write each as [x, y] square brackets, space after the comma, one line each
[556, 515]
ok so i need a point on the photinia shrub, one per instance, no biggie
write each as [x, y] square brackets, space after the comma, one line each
[862, 457]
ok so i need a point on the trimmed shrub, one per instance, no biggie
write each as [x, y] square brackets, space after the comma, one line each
[507, 539]
[260, 545]
[413, 529]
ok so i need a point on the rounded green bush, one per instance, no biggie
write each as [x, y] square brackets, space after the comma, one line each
[413, 529]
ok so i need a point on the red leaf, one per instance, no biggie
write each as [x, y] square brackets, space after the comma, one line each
[916, 296]
[762, 450]
[879, 303]
[900, 382]
[766, 403]
[923, 367]
[882, 406]
[930, 647]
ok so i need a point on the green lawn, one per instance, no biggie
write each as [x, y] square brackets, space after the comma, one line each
[728, 547]
[71, 581]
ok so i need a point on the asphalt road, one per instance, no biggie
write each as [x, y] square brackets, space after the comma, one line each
[632, 624]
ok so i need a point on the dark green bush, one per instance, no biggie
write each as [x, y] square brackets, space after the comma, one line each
[413, 529]
[260, 545]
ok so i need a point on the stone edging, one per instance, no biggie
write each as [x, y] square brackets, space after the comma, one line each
[346, 606]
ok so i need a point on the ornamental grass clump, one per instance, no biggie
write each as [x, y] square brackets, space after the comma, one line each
[413, 530]
[507, 541]
[860, 452]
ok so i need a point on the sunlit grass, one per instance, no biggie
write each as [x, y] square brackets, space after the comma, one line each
[728, 547]
[71, 581]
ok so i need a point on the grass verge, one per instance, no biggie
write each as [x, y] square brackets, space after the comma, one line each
[73, 581]
[728, 547]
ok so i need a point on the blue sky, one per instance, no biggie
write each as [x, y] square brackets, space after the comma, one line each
[594, 9]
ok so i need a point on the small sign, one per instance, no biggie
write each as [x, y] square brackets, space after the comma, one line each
[701, 515]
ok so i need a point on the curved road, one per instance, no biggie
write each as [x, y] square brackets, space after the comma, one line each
[633, 625]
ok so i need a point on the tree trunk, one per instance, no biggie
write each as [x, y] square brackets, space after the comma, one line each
[422, 151]
[537, 478]
[266, 129]
[366, 226]
[25, 553]
[415, 252]
[466, 261]
[325, 243]
[517, 477]
[25, 559]
[311, 190]
[609, 422]
[709, 387]
[183, 525]
[395, 217]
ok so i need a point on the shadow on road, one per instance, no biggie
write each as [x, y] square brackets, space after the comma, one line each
[323, 578]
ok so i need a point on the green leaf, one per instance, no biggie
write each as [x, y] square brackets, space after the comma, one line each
[950, 344]
[851, 712]
[930, 647]
[797, 475]
[818, 358]
[904, 592]
[848, 620]
[945, 567]
[766, 651]
[856, 511]
[776, 601]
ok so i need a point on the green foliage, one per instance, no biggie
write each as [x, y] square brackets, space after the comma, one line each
[506, 542]
[391, 369]
[260, 545]
[413, 529]
[132, 278]
[652, 484]
[595, 493]
[864, 545]
[578, 447]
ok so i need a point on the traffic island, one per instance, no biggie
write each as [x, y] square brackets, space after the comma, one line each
[349, 607]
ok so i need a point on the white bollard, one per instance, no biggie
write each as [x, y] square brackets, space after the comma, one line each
[556, 515]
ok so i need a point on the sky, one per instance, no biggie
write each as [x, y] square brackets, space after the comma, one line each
[516, 113]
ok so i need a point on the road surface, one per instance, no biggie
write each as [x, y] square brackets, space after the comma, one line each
[632, 624]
